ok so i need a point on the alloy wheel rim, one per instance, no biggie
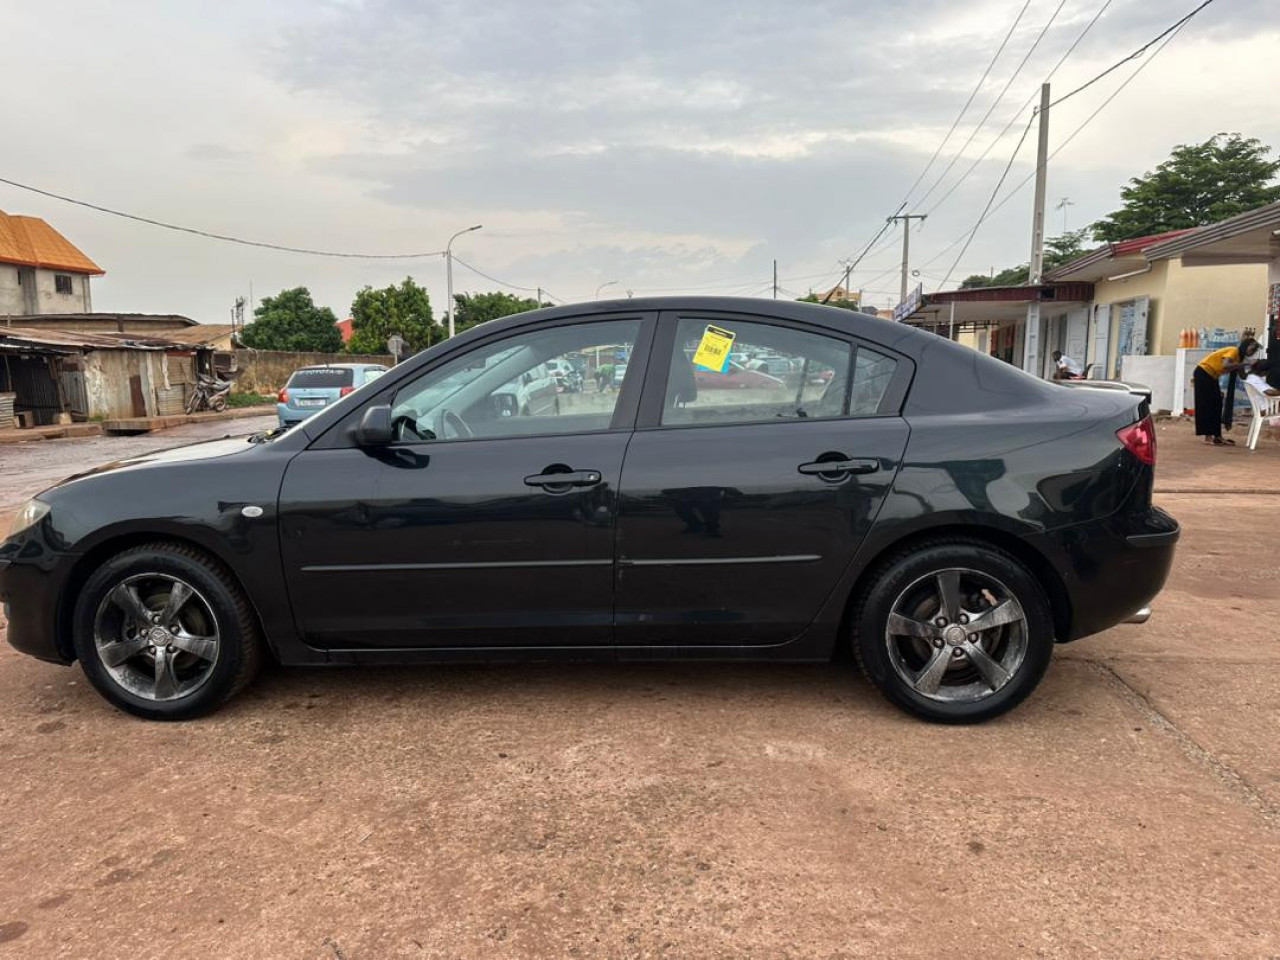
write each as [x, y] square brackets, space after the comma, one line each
[956, 635]
[157, 637]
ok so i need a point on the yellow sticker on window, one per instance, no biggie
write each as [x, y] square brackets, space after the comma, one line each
[713, 350]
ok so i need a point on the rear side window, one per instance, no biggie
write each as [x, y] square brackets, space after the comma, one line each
[872, 374]
[760, 372]
[321, 377]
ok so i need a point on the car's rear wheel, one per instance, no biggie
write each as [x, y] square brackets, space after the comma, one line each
[954, 632]
[164, 632]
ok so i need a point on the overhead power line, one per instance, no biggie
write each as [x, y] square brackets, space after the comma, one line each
[502, 283]
[1173, 28]
[963, 110]
[952, 129]
[1026, 103]
[1062, 146]
[220, 236]
[996, 102]
[990, 200]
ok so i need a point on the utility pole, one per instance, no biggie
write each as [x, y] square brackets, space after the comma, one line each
[448, 256]
[539, 296]
[775, 278]
[1031, 338]
[906, 219]
[848, 269]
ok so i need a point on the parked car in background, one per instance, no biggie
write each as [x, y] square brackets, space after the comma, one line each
[311, 389]
[943, 516]
[737, 377]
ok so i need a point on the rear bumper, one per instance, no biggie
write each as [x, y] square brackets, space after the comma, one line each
[1114, 568]
[288, 415]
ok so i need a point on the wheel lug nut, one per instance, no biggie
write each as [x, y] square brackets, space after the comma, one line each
[973, 638]
[941, 621]
[170, 648]
[938, 643]
[151, 648]
[964, 618]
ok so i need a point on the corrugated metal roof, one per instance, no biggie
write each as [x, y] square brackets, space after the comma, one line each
[1258, 219]
[200, 334]
[30, 242]
[25, 336]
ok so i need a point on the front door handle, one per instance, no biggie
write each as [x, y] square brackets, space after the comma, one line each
[839, 469]
[572, 478]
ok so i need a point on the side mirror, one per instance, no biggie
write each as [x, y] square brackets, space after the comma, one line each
[375, 427]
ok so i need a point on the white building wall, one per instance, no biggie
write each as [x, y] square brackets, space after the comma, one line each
[10, 291]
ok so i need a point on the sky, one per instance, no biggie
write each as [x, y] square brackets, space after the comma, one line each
[651, 147]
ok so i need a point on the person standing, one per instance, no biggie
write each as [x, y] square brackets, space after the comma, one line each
[1209, 399]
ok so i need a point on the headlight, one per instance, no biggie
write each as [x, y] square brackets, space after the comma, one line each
[31, 513]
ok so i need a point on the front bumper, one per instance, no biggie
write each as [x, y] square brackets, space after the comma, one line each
[29, 592]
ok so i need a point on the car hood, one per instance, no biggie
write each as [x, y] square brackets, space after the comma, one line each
[206, 450]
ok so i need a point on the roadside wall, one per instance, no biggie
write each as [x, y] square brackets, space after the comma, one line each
[266, 371]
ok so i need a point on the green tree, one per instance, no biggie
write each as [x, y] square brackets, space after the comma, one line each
[291, 321]
[1200, 183]
[403, 310]
[1057, 251]
[473, 308]
[812, 297]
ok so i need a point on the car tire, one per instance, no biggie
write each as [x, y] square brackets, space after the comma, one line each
[208, 648]
[921, 663]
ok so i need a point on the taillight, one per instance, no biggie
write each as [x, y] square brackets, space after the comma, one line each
[283, 395]
[344, 391]
[1140, 440]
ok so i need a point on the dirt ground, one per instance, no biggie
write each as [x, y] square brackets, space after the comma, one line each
[1131, 808]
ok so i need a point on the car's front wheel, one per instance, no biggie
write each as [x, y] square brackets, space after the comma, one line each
[954, 632]
[164, 632]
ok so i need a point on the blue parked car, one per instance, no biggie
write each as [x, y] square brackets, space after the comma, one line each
[311, 389]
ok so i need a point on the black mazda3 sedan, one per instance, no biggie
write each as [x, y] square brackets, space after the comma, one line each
[732, 479]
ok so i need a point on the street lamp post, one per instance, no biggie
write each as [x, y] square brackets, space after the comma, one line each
[448, 259]
[607, 283]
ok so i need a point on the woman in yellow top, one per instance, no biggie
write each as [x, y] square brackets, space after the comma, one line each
[1207, 392]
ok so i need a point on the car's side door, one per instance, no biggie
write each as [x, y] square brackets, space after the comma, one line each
[742, 504]
[480, 524]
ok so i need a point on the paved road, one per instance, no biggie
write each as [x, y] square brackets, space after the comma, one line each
[27, 468]
[1130, 808]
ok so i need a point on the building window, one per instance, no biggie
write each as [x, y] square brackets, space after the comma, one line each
[62, 283]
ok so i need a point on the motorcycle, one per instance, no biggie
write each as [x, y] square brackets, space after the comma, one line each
[210, 394]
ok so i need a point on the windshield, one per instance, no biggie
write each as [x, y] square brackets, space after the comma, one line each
[321, 377]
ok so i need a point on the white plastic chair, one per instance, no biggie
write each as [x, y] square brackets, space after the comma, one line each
[1264, 407]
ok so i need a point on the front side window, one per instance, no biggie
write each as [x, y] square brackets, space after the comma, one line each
[554, 380]
[61, 283]
[731, 372]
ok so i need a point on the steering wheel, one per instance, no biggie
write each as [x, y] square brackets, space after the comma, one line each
[447, 418]
[406, 425]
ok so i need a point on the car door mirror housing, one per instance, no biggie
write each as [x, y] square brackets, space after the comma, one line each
[374, 429]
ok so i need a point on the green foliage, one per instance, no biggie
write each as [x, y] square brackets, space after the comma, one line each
[291, 321]
[1200, 183]
[841, 304]
[248, 400]
[403, 310]
[473, 308]
[1057, 251]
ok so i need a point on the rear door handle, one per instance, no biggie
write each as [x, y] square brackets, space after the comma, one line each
[575, 478]
[839, 468]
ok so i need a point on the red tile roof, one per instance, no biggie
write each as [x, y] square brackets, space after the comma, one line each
[1134, 245]
[30, 242]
